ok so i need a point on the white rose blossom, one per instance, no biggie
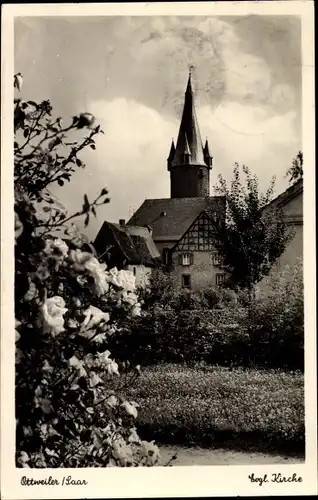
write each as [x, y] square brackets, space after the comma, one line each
[100, 338]
[110, 364]
[51, 315]
[112, 401]
[130, 408]
[97, 269]
[23, 459]
[136, 310]
[85, 261]
[112, 367]
[32, 291]
[93, 318]
[122, 452]
[90, 361]
[129, 297]
[56, 245]
[94, 379]
[122, 279]
[74, 362]
[133, 436]
[150, 452]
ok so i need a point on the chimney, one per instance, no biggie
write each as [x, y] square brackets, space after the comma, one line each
[122, 222]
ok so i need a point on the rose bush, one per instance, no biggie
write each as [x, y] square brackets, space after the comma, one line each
[70, 406]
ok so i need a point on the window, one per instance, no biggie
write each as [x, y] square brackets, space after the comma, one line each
[134, 271]
[166, 256]
[186, 281]
[186, 259]
[219, 279]
[216, 259]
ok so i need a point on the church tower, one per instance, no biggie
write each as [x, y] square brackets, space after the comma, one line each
[189, 163]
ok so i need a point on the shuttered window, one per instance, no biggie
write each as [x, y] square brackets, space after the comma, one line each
[185, 259]
[186, 281]
[219, 279]
[217, 260]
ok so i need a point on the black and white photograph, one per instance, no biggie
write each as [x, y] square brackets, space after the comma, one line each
[159, 293]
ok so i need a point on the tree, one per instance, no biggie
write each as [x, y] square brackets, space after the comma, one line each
[254, 233]
[296, 172]
[71, 410]
[161, 290]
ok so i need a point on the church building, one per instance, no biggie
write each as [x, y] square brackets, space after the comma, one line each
[178, 231]
[181, 225]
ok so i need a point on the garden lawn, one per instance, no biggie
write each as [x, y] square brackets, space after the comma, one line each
[219, 407]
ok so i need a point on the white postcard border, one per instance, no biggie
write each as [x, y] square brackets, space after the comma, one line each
[191, 481]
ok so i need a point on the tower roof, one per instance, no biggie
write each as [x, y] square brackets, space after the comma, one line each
[172, 151]
[206, 149]
[186, 150]
[189, 132]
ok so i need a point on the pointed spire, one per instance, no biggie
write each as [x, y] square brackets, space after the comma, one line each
[206, 149]
[171, 154]
[207, 155]
[189, 131]
[172, 151]
[189, 85]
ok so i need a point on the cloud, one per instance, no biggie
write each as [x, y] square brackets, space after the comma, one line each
[131, 73]
[158, 52]
[250, 135]
[130, 158]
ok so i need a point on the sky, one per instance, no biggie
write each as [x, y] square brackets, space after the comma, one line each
[131, 73]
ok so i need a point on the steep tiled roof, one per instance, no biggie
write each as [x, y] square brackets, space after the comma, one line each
[171, 217]
[135, 244]
[206, 149]
[141, 249]
[124, 241]
[282, 200]
[288, 194]
[143, 233]
[172, 151]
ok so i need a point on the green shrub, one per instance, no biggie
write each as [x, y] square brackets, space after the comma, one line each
[219, 326]
[277, 328]
[214, 297]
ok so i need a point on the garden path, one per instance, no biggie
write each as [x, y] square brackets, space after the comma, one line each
[202, 456]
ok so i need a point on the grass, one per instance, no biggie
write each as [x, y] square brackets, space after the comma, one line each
[217, 407]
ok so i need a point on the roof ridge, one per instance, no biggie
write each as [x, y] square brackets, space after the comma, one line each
[289, 192]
